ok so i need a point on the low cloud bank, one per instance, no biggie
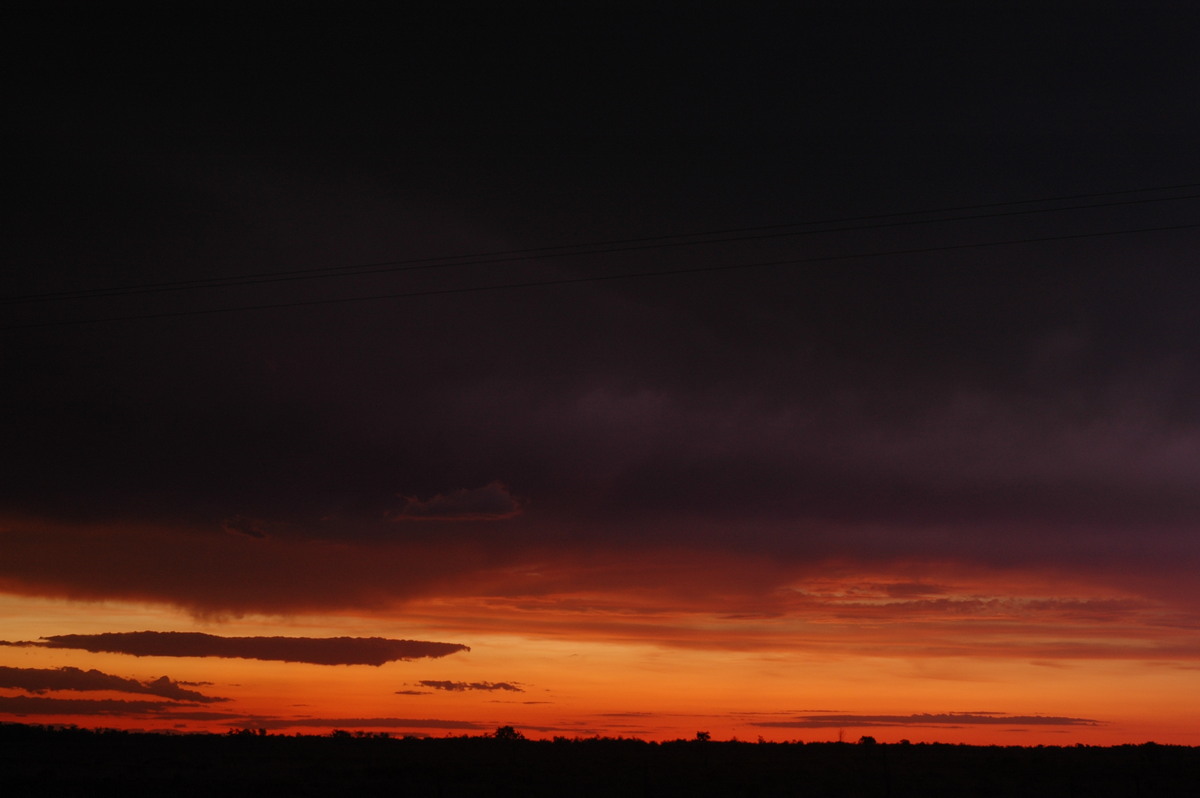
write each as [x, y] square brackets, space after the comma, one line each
[39, 705]
[42, 680]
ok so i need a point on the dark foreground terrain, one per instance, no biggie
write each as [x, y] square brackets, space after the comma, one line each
[52, 762]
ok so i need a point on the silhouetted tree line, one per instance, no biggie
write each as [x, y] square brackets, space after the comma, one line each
[51, 761]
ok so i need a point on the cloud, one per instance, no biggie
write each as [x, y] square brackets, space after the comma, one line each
[317, 651]
[38, 705]
[492, 502]
[389, 723]
[911, 589]
[690, 597]
[243, 525]
[456, 687]
[41, 680]
[950, 719]
[211, 572]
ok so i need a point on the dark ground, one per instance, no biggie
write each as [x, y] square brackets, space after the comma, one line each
[44, 762]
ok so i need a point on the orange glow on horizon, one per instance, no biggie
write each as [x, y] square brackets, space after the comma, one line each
[655, 675]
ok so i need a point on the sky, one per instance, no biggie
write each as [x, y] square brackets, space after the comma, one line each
[794, 372]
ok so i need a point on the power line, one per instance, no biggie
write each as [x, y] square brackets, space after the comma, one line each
[599, 278]
[730, 235]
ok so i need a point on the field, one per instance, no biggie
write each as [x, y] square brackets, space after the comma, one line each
[52, 762]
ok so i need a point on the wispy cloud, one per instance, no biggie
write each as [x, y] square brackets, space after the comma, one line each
[458, 687]
[352, 723]
[318, 651]
[945, 719]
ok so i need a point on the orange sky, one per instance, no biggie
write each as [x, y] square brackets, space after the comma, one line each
[841, 655]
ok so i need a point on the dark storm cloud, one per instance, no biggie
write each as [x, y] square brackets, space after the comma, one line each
[215, 574]
[318, 651]
[458, 687]
[41, 680]
[948, 719]
[492, 502]
[1004, 405]
[209, 572]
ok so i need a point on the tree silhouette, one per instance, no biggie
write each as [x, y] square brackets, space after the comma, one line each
[508, 733]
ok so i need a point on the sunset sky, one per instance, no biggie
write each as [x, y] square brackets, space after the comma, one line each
[798, 372]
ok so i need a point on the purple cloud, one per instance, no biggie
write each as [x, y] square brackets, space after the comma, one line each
[318, 651]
